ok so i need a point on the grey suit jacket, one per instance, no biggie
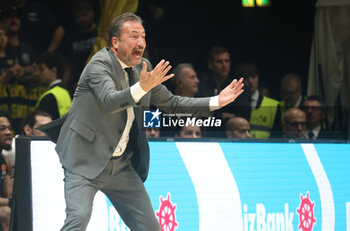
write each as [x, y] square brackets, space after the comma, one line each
[97, 117]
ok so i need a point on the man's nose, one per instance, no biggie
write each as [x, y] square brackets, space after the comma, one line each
[8, 131]
[141, 42]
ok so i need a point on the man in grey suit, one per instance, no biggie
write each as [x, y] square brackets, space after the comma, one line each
[102, 145]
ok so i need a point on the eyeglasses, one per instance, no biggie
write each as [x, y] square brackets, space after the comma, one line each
[243, 131]
[297, 124]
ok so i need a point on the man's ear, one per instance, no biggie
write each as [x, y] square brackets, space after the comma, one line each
[54, 70]
[27, 130]
[115, 42]
[179, 83]
[229, 134]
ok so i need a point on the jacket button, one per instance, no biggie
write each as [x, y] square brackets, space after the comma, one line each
[111, 149]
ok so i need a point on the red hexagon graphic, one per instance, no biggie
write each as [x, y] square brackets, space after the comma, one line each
[306, 213]
[166, 214]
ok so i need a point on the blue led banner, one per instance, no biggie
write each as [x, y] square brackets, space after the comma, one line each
[222, 186]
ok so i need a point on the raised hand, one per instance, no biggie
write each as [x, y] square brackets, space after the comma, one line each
[149, 80]
[231, 92]
[14, 73]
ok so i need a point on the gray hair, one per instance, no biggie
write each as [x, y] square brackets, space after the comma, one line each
[179, 75]
[117, 23]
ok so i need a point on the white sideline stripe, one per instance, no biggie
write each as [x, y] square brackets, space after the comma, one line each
[217, 192]
[347, 207]
[324, 187]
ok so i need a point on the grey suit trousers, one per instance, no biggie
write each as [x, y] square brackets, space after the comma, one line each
[121, 184]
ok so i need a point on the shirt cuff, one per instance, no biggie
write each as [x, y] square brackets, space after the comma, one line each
[137, 92]
[214, 103]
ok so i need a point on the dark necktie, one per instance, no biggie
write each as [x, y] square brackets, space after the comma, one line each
[131, 75]
[311, 135]
[137, 110]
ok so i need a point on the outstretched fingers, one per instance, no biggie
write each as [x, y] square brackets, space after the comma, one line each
[233, 83]
[166, 69]
[167, 77]
[236, 83]
[159, 65]
[144, 68]
[239, 85]
[162, 69]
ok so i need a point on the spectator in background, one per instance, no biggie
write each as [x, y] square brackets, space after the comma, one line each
[315, 118]
[294, 124]
[264, 90]
[153, 132]
[219, 64]
[22, 54]
[16, 95]
[79, 42]
[5, 175]
[33, 120]
[291, 92]
[6, 62]
[237, 127]
[39, 28]
[185, 80]
[9, 70]
[189, 132]
[265, 117]
[56, 100]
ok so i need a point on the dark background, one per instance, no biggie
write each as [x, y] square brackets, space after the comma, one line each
[276, 38]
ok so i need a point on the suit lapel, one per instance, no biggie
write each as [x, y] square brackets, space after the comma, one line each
[118, 74]
[137, 74]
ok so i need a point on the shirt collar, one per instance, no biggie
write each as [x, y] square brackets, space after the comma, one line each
[255, 95]
[57, 81]
[254, 99]
[297, 104]
[316, 130]
[122, 64]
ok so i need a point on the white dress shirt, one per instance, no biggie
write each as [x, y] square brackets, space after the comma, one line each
[298, 102]
[315, 131]
[254, 99]
[137, 92]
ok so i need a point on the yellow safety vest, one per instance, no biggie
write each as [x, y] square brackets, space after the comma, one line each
[262, 119]
[62, 97]
[283, 107]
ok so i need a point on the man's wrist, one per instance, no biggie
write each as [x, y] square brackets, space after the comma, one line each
[137, 92]
[214, 103]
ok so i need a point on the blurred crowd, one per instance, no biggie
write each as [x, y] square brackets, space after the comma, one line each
[41, 60]
[254, 114]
